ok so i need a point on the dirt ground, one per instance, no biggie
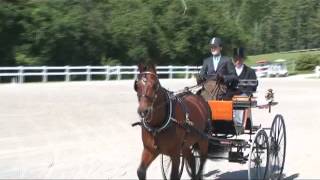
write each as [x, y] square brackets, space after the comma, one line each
[83, 130]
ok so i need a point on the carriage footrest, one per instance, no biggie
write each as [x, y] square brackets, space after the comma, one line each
[236, 157]
[256, 128]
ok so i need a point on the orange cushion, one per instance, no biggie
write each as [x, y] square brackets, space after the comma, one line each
[221, 110]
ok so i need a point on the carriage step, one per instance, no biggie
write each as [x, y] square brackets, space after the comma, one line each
[237, 157]
[256, 128]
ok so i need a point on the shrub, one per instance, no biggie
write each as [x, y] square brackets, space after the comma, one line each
[307, 62]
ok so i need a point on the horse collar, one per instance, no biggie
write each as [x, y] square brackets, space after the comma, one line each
[165, 125]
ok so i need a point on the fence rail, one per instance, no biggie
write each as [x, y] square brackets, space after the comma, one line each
[18, 74]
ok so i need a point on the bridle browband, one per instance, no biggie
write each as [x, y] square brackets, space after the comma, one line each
[152, 98]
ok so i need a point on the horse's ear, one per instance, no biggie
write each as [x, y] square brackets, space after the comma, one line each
[152, 68]
[141, 67]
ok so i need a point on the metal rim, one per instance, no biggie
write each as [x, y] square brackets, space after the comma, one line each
[259, 156]
[196, 155]
[166, 165]
[278, 143]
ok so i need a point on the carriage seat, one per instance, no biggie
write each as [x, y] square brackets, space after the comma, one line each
[222, 114]
[222, 117]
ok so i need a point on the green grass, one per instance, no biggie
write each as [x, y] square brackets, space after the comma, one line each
[291, 57]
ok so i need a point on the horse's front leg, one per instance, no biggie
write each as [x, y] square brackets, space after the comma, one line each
[146, 159]
[175, 167]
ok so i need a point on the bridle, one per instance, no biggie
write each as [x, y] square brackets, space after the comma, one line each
[144, 92]
[169, 102]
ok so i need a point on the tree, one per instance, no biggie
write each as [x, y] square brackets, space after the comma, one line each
[10, 31]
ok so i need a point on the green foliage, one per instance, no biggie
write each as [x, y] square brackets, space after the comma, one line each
[289, 56]
[307, 62]
[108, 32]
[10, 31]
[110, 61]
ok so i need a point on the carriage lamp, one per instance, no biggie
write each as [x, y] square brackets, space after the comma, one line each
[269, 97]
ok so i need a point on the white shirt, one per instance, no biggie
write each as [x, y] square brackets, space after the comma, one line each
[239, 70]
[216, 60]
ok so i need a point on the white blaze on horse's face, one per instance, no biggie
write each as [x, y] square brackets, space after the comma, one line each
[146, 91]
[144, 81]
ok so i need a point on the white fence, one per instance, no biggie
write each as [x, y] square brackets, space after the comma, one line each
[317, 71]
[18, 74]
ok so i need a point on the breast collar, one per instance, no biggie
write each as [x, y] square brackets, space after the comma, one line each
[168, 118]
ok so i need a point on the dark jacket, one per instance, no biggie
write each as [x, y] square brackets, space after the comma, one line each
[250, 74]
[225, 68]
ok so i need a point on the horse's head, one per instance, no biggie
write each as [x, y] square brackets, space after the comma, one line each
[146, 86]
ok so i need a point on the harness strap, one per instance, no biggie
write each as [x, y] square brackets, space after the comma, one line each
[170, 109]
[171, 98]
[185, 110]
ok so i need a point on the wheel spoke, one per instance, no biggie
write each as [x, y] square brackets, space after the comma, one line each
[279, 131]
[280, 158]
[275, 127]
[278, 163]
[280, 139]
[279, 126]
[280, 153]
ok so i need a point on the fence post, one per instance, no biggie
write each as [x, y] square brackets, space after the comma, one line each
[170, 72]
[44, 74]
[135, 72]
[88, 72]
[118, 73]
[187, 72]
[21, 76]
[317, 71]
[107, 73]
[67, 77]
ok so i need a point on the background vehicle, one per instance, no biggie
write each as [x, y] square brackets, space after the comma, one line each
[261, 68]
[278, 69]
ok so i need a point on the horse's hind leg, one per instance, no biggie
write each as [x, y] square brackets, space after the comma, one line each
[203, 150]
[147, 158]
[190, 162]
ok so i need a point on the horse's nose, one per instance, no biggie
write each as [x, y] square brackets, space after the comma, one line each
[143, 112]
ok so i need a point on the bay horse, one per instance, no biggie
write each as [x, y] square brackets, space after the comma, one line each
[170, 124]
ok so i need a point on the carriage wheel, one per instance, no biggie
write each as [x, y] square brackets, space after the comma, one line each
[259, 156]
[166, 166]
[196, 157]
[277, 147]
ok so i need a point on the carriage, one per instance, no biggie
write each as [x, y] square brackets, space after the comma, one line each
[267, 146]
[174, 127]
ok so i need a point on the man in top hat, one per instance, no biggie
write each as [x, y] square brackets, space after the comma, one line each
[243, 71]
[217, 67]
